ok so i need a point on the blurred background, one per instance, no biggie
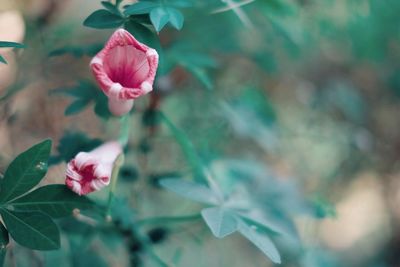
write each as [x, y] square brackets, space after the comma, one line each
[293, 104]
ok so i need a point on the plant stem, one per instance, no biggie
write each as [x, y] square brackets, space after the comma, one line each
[125, 130]
[114, 178]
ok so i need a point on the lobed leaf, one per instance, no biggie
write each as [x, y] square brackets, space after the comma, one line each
[103, 19]
[221, 221]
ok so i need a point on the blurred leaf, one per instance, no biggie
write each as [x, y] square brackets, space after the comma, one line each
[11, 44]
[33, 230]
[55, 200]
[188, 149]
[25, 171]
[190, 190]
[86, 93]
[261, 241]
[103, 19]
[175, 18]
[221, 221]
[111, 7]
[71, 143]
[4, 240]
[77, 51]
[140, 8]
[159, 17]
[2, 60]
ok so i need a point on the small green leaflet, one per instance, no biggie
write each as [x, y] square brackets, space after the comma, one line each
[160, 13]
[222, 220]
[25, 172]
[111, 7]
[103, 19]
[33, 230]
[4, 44]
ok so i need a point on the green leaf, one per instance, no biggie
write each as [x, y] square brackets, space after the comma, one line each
[261, 241]
[25, 171]
[140, 8]
[76, 107]
[188, 149]
[110, 7]
[175, 18]
[55, 200]
[103, 19]
[191, 190]
[33, 230]
[221, 221]
[159, 18]
[11, 44]
[71, 143]
[4, 240]
[2, 60]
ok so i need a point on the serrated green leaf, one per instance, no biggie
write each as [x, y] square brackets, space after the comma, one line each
[175, 18]
[11, 44]
[190, 190]
[33, 230]
[140, 8]
[222, 222]
[54, 200]
[25, 171]
[159, 18]
[261, 241]
[4, 240]
[103, 19]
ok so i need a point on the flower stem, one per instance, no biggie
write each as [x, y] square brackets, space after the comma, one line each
[114, 178]
[125, 130]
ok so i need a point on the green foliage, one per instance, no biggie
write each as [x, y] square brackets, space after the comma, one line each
[70, 144]
[25, 172]
[160, 12]
[85, 93]
[77, 51]
[27, 215]
[103, 19]
[225, 217]
[4, 240]
[4, 44]
[32, 229]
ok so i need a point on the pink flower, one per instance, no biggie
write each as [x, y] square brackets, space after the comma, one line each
[125, 70]
[91, 171]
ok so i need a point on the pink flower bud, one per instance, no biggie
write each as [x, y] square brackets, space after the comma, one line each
[91, 171]
[125, 70]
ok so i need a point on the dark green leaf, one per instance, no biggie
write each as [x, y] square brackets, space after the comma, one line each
[2, 60]
[188, 189]
[55, 200]
[261, 241]
[175, 18]
[103, 19]
[110, 7]
[71, 144]
[25, 171]
[4, 239]
[140, 8]
[76, 107]
[11, 44]
[33, 230]
[221, 221]
[159, 18]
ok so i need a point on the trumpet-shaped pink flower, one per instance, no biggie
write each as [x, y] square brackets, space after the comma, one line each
[125, 70]
[91, 171]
